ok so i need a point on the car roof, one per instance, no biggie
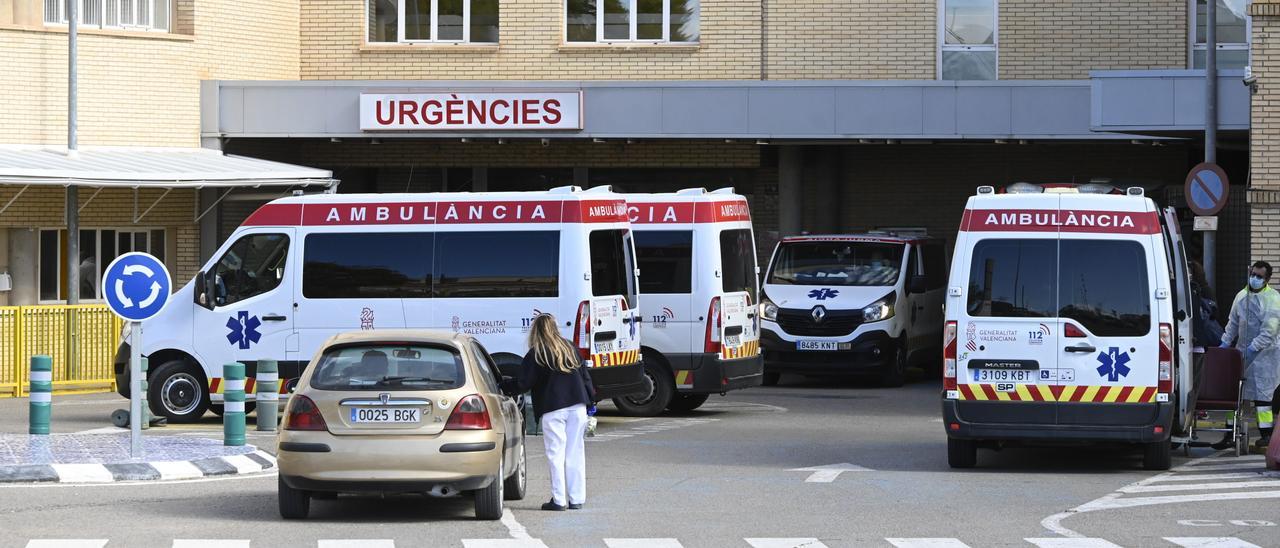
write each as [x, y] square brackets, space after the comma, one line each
[686, 195]
[430, 336]
[860, 237]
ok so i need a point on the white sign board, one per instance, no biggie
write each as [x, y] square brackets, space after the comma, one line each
[559, 110]
[1205, 224]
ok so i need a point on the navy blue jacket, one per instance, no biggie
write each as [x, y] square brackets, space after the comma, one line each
[551, 389]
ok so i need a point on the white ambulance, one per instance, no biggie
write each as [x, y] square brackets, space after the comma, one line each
[698, 287]
[1067, 320]
[302, 269]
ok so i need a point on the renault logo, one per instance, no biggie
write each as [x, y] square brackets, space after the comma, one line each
[384, 397]
[818, 313]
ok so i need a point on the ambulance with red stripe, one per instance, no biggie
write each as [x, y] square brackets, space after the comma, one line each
[1067, 319]
[304, 268]
[698, 282]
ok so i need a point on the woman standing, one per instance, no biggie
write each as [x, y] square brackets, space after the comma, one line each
[562, 390]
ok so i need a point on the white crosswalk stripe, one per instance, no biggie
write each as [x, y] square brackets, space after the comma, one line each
[785, 543]
[356, 543]
[210, 543]
[927, 543]
[642, 543]
[67, 543]
[503, 543]
[1211, 542]
[1072, 543]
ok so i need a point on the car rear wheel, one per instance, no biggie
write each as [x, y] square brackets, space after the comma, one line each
[962, 453]
[515, 487]
[895, 372]
[177, 391]
[687, 402]
[770, 379]
[489, 499]
[294, 503]
[1157, 455]
[660, 386]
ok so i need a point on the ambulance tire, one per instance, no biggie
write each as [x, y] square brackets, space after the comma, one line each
[177, 391]
[770, 379]
[683, 403]
[293, 503]
[661, 388]
[894, 373]
[1157, 455]
[962, 453]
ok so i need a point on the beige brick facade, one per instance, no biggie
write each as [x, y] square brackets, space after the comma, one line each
[842, 39]
[1065, 40]
[1264, 146]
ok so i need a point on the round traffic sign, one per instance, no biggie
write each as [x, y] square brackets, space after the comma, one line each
[136, 286]
[1207, 189]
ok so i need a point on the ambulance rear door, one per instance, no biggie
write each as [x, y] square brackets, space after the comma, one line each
[1184, 310]
[614, 326]
[738, 327]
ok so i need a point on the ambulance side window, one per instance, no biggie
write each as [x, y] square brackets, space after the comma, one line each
[253, 265]
[1014, 278]
[666, 261]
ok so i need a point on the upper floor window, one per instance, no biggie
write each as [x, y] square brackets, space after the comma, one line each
[631, 20]
[457, 21]
[1233, 38]
[968, 39]
[113, 14]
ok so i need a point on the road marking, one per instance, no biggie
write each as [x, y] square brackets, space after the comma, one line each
[82, 473]
[1072, 543]
[67, 543]
[1201, 486]
[229, 477]
[103, 430]
[927, 543]
[1211, 542]
[514, 528]
[1202, 477]
[829, 472]
[1240, 458]
[243, 464]
[1132, 502]
[642, 543]
[175, 470]
[785, 542]
[1256, 465]
[210, 543]
[502, 543]
[356, 543]
[649, 428]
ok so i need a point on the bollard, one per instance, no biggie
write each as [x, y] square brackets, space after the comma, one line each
[268, 394]
[233, 404]
[146, 409]
[41, 403]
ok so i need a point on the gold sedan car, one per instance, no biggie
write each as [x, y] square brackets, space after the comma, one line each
[401, 412]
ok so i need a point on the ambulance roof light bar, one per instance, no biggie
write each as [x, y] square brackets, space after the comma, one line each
[602, 189]
[691, 191]
[1135, 191]
[1023, 188]
[565, 189]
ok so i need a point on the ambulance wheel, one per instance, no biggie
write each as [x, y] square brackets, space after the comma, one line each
[659, 387]
[1157, 455]
[294, 503]
[687, 402]
[178, 392]
[962, 453]
[770, 379]
[895, 372]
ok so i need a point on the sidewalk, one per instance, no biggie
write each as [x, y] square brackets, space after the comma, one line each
[100, 458]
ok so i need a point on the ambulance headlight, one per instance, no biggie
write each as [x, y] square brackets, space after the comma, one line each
[768, 310]
[880, 310]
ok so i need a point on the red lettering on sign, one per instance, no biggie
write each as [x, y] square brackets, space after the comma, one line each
[431, 112]
[391, 112]
[552, 108]
[528, 112]
[1066, 220]
[493, 111]
[438, 213]
[407, 109]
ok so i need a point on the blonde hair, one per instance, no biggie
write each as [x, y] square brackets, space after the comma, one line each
[551, 350]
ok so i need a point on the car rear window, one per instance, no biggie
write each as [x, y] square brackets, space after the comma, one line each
[1013, 278]
[838, 263]
[611, 265]
[389, 367]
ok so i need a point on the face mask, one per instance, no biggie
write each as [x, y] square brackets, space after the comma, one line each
[1256, 283]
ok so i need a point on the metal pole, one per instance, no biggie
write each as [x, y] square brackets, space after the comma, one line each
[73, 194]
[135, 391]
[1210, 122]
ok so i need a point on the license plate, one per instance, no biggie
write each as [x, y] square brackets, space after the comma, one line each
[602, 347]
[732, 340]
[1021, 376]
[817, 345]
[386, 415]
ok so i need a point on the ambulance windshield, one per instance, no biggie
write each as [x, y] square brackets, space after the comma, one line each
[838, 263]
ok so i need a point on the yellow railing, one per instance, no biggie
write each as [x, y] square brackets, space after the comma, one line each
[81, 339]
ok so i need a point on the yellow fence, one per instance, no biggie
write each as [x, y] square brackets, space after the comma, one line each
[81, 339]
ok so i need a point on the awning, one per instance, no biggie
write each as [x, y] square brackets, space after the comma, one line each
[138, 167]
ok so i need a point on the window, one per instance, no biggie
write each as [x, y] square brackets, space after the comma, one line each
[497, 264]
[98, 247]
[1234, 33]
[489, 373]
[252, 266]
[611, 265]
[1013, 278]
[738, 262]
[632, 20]
[113, 14]
[450, 21]
[389, 368]
[666, 261]
[838, 263]
[367, 266]
[1089, 292]
[968, 39]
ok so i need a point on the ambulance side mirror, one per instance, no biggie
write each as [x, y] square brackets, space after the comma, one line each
[203, 291]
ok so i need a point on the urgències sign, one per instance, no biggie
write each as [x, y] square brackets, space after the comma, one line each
[471, 111]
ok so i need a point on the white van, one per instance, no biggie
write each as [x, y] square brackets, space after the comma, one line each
[853, 304]
[1067, 319]
[696, 252]
[302, 269]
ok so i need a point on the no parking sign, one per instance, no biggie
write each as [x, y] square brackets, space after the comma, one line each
[1207, 189]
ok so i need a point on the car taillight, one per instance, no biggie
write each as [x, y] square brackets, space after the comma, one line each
[469, 414]
[713, 327]
[304, 415]
[1165, 384]
[582, 330]
[1070, 330]
[949, 357]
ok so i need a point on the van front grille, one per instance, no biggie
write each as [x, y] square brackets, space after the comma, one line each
[835, 323]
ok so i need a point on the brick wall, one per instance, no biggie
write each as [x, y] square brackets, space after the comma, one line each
[531, 34]
[842, 39]
[1264, 150]
[1065, 40]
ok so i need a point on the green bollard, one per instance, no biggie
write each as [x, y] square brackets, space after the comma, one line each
[268, 394]
[41, 402]
[233, 404]
[146, 409]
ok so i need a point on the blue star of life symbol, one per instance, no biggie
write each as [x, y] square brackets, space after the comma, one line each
[243, 330]
[824, 293]
[1113, 364]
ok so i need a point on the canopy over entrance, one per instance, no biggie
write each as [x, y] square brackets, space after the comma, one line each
[135, 167]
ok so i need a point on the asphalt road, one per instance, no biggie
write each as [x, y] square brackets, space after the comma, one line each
[715, 477]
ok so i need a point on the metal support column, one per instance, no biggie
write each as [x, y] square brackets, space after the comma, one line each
[1211, 124]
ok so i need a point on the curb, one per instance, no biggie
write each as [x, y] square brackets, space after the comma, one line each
[248, 463]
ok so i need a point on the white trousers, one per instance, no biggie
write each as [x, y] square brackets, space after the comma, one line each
[564, 434]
